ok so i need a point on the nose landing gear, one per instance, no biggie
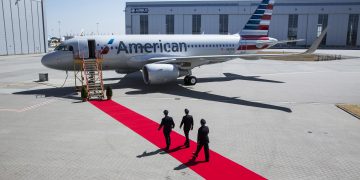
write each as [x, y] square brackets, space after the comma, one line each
[190, 80]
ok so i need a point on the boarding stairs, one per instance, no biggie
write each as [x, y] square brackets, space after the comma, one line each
[92, 71]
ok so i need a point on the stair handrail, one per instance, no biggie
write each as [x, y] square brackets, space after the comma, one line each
[99, 69]
[85, 71]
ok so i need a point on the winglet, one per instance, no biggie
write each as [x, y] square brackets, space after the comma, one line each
[316, 43]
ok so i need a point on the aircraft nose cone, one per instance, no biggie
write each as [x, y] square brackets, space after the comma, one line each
[45, 60]
[49, 60]
[58, 60]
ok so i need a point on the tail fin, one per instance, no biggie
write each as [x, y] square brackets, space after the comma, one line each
[258, 24]
[317, 42]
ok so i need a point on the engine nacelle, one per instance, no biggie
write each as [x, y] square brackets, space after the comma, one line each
[160, 73]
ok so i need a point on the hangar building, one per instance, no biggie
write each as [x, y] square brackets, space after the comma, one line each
[22, 27]
[292, 19]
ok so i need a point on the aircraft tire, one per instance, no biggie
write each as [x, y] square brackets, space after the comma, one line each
[187, 80]
[192, 80]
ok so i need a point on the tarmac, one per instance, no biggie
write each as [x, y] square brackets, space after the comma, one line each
[276, 118]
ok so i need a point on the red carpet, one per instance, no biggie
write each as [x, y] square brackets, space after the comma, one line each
[219, 166]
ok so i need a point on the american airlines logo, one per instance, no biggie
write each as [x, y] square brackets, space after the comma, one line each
[151, 47]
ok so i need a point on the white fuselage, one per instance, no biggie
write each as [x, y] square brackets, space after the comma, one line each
[129, 53]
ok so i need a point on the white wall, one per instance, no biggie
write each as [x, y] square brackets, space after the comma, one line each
[302, 26]
[234, 20]
[337, 31]
[31, 31]
[128, 25]
[188, 24]
[210, 24]
[278, 27]
[157, 24]
[179, 24]
[135, 19]
[2, 33]
[312, 28]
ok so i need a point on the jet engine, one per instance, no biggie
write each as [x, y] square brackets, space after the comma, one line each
[160, 73]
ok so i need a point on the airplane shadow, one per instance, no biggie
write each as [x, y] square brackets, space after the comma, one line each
[64, 92]
[232, 77]
[134, 81]
[111, 79]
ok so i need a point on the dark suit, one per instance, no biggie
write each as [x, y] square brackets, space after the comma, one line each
[203, 140]
[188, 123]
[167, 123]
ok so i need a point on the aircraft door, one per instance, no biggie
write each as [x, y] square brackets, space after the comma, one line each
[92, 49]
[82, 49]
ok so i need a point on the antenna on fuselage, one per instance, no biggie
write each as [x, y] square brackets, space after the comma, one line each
[82, 32]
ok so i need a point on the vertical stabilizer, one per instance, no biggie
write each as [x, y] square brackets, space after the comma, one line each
[259, 22]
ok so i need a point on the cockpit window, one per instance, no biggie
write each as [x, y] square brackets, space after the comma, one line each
[62, 47]
[59, 47]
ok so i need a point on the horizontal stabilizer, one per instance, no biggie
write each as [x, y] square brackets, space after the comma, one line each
[287, 41]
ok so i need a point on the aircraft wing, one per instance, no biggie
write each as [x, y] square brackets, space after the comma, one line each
[189, 62]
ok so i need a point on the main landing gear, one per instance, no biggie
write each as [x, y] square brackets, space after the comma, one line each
[190, 80]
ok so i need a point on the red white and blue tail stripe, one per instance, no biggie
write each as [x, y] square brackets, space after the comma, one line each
[258, 25]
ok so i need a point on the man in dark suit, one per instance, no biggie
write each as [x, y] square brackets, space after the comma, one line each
[202, 140]
[168, 123]
[188, 123]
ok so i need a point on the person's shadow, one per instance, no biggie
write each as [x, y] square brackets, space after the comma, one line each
[173, 150]
[190, 163]
[160, 151]
[145, 154]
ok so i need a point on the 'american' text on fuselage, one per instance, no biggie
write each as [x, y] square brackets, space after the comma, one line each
[151, 47]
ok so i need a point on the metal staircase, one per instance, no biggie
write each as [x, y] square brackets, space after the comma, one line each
[93, 78]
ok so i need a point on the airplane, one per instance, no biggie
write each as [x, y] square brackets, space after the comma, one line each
[164, 58]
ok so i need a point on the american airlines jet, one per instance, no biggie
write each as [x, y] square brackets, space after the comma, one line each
[164, 58]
